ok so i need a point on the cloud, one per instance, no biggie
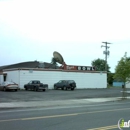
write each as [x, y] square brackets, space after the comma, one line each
[69, 21]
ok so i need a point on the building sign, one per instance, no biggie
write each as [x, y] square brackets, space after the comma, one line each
[70, 67]
[89, 68]
[84, 68]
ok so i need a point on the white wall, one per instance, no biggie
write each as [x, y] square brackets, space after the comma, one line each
[1, 79]
[13, 76]
[127, 85]
[83, 80]
[46, 77]
[87, 80]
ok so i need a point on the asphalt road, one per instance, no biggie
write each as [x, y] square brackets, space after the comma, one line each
[52, 95]
[86, 117]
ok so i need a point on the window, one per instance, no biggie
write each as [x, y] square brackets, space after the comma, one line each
[60, 81]
[30, 82]
[71, 81]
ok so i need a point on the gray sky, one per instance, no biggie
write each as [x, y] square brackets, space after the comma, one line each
[32, 29]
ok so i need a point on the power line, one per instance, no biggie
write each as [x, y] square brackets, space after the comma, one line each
[106, 52]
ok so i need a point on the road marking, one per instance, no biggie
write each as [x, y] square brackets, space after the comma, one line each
[105, 111]
[54, 116]
[105, 128]
[41, 117]
[65, 115]
[9, 120]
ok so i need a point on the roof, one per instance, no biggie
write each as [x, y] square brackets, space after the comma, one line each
[44, 69]
[30, 64]
[3, 67]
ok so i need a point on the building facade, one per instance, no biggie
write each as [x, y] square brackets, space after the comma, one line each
[83, 79]
[47, 73]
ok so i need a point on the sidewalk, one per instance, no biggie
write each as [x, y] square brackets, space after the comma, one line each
[57, 103]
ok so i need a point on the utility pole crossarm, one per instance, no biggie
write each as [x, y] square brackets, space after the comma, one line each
[106, 42]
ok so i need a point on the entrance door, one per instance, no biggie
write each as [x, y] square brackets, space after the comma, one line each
[4, 76]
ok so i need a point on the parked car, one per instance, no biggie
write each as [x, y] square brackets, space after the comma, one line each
[35, 85]
[9, 86]
[65, 84]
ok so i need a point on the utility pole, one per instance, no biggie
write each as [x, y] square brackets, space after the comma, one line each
[106, 52]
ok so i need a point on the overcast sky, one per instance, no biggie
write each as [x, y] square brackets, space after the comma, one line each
[32, 29]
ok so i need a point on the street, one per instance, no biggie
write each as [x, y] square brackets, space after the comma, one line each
[54, 95]
[80, 117]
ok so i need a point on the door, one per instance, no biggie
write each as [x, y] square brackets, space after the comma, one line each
[59, 84]
[29, 85]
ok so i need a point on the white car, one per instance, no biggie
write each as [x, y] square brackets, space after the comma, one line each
[9, 86]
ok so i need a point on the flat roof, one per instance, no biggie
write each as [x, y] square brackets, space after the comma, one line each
[43, 69]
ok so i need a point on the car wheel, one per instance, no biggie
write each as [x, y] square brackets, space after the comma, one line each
[44, 90]
[72, 88]
[26, 88]
[16, 90]
[4, 89]
[36, 88]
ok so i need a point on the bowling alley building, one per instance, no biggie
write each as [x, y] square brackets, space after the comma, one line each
[22, 73]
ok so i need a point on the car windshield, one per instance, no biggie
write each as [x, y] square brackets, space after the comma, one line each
[60, 81]
[71, 81]
[8, 82]
[30, 82]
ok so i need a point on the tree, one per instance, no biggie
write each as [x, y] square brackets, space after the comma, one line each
[122, 71]
[99, 64]
[54, 62]
[110, 78]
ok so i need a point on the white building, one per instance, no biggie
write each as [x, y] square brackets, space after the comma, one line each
[83, 79]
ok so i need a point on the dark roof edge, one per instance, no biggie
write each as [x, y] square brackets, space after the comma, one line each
[42, 69]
